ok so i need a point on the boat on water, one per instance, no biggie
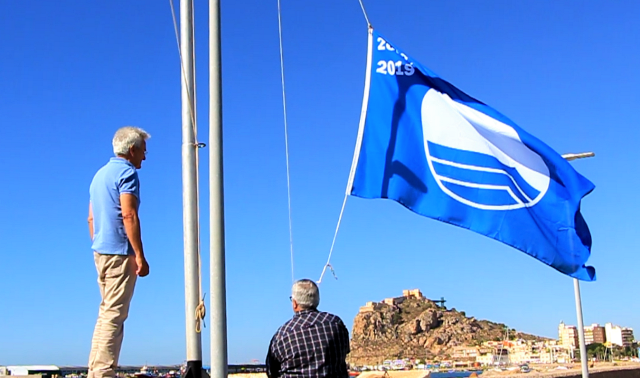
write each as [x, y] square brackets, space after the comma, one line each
[145, 373]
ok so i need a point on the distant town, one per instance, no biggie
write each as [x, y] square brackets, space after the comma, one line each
[605, 343]
[511, 348]
[507, 349]
[611, 342]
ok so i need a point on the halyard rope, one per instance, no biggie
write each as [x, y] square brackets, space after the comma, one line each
[200, 311]
[335, 235]
[344, 202]
[364, 12]
[286, 141]
[286, 137]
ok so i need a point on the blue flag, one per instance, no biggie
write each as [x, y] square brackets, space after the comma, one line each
[445, 155]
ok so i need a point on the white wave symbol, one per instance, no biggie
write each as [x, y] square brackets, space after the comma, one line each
[478, 160]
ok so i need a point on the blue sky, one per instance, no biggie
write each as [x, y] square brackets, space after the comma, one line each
[73, 72]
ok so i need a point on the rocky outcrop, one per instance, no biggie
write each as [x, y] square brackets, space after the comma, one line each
[415, 327]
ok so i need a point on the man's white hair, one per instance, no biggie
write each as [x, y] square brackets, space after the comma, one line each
[306, 293]
[127, 137]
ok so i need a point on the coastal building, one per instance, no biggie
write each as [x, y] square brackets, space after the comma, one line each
[567, 336]
[461, 353]
[551, 354]
[467, 356]
[521, 352]
[42, 371]
[627, 336]
[561, 355]
[616, 335]
[496, 357]
[594, 334]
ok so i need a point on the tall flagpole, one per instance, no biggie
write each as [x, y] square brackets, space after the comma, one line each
[583, 347]
[576, 289]
[190, 193]
[218, 300]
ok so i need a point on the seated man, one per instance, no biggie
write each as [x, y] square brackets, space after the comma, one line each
[312, 344]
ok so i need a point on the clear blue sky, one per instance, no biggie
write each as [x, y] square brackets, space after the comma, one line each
[72, 72]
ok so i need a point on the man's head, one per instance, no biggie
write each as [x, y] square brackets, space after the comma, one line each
[130, 143]
[305, 295]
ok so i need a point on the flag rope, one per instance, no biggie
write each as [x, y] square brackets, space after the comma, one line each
[335, 236]
[358, 142]
[201, 310]
[364, 12]
[286, 138]
[286, 143]
[356, 153]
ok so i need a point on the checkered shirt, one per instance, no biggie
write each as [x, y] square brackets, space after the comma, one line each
[313, 344]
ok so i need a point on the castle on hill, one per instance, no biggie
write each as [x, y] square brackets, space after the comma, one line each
[406, 294]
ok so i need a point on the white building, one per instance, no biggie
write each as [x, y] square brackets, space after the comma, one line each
[616, 335]
[493, 358]
[45, 371]
[567, 336]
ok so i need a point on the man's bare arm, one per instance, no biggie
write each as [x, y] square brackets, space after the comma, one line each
[128, 203]
[90, 220]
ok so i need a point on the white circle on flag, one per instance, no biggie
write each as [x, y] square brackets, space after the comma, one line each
[478, 160]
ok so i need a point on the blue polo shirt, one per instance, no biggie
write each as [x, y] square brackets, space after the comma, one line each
[118, 176]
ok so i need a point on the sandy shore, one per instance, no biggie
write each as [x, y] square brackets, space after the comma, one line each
[550, 371]
[546, 371]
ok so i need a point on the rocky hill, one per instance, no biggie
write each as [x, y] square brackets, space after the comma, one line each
[412, 326]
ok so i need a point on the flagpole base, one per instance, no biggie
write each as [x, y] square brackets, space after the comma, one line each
[194, 370]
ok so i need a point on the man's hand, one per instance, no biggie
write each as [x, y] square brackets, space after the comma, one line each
[90, 220]
[143, 266]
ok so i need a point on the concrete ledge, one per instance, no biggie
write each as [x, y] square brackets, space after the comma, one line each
[603, 372]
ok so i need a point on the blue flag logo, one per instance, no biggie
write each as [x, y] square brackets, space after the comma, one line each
[445, 155]
[464, 149]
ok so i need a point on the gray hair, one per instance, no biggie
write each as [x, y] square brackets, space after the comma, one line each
[306, 293]
[127, 137]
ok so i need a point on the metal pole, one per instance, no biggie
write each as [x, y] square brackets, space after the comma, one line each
[218, 300]
[189, 193]
[576, 288]
[581, 155]
[583, 347]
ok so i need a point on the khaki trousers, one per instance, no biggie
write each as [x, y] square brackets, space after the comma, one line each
[116, 279]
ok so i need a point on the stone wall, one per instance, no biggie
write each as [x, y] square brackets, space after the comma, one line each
[630, 373]
[615, 373]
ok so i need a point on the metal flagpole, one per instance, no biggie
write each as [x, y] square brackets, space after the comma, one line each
[576, 288]
[190, 193]
[583, 346]
[218, 300]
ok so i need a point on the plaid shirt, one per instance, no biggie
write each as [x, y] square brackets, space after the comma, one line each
[311, 345]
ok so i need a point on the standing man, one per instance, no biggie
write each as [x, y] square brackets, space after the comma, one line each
[117, 245]
[313, 344]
